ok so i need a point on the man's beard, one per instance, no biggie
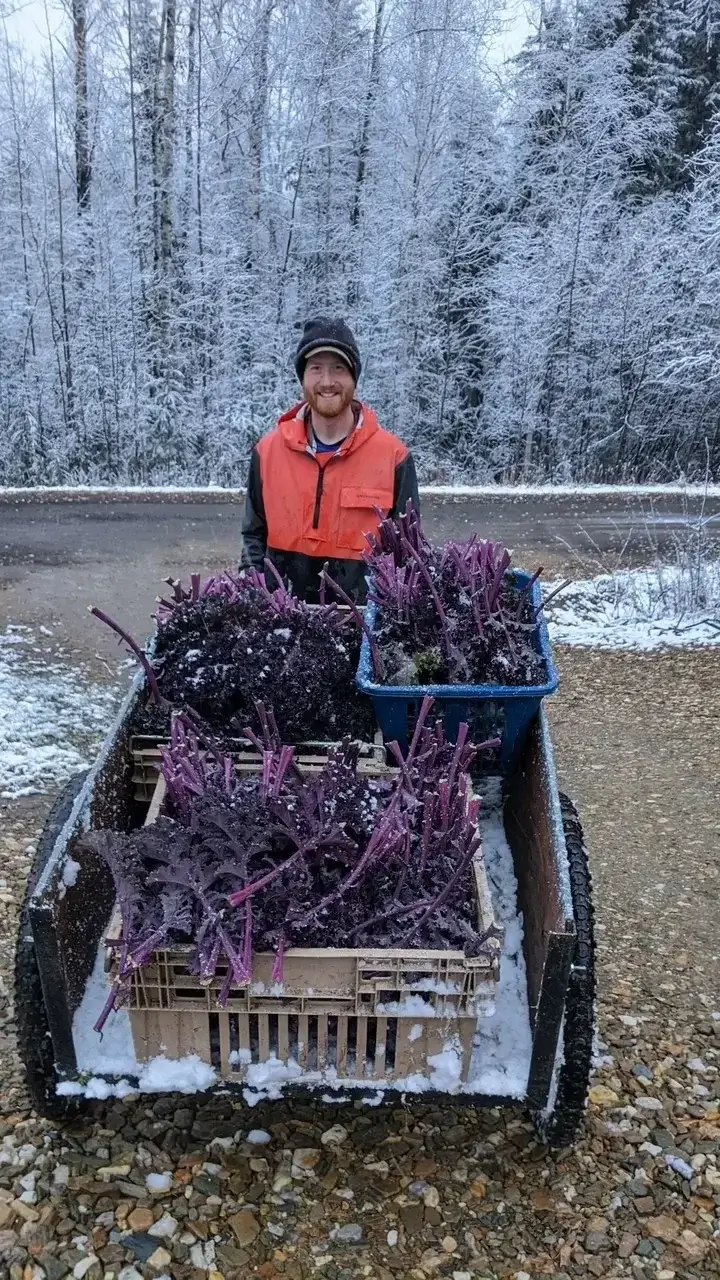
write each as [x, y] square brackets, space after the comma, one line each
[330, 406]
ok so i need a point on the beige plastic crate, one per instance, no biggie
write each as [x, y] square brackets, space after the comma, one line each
[310, 757]
[356, 1048]
[357, 1011]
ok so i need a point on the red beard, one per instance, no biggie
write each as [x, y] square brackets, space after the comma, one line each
[330, 406]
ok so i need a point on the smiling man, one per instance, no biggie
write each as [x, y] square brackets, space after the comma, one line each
[316, 480]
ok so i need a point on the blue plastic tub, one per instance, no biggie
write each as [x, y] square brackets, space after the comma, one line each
[491, 710]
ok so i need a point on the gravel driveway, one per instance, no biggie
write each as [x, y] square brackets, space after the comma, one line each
[423, 1190]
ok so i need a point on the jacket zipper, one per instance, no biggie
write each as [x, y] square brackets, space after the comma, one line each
[319, 488]
[318, 494]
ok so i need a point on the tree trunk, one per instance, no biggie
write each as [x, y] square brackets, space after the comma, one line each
[167, 134]
[83, 162]
[372, 88]
[66, 365]
[258, 111]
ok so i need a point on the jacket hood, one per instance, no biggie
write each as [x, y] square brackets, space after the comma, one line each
[293, 429]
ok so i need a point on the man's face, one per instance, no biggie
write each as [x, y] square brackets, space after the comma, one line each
[328, 385]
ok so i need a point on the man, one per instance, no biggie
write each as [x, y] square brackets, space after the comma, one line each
[315, 481]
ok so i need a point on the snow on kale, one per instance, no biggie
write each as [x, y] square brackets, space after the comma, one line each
[449, 614]
[228, 641]
[263, 862]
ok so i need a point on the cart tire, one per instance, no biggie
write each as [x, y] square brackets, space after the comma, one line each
[33, 1034]
[559, 1125]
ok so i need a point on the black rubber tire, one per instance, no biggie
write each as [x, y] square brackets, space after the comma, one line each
[559, 1127]
[33, 1034]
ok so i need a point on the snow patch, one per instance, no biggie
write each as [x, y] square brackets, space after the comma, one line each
[240, 1057]
[51, 717]
[70, 873]
[503, 1042]
[408, 1007]
[646, 609]
[436, 985]
[176, 1075]
[67, 492]
[113, 1052]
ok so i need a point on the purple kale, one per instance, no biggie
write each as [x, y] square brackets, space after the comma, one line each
[232, 640]
[450, 614]
[266, 861]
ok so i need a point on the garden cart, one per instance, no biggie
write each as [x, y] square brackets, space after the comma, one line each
[343, 1018]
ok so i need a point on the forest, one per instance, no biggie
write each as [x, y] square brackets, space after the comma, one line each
[528, 251]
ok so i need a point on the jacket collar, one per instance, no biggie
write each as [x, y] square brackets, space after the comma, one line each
[293, 428]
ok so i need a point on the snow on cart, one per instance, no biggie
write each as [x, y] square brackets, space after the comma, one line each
[238, 895]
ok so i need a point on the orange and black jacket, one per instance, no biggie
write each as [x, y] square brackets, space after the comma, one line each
[305, 508]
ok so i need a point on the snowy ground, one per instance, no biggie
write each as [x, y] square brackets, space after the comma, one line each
[51, 718]
[677, 489]
[638, 609]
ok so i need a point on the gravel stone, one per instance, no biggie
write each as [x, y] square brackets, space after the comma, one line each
[141, 1219]
[335, 1136]
[245, 1227]
[412, 1217]
[139, 1244]
[352, 1233]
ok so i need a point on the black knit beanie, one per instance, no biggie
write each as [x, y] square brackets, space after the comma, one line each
[332, 335]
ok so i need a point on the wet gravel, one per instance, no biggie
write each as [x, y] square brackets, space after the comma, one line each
[424, 1190]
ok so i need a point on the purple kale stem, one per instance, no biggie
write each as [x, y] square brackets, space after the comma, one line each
[394, 747]
[531, 582]
[281, 585]
[436, 598]
[278, 969]
[247, 943]
[283, 764]
[346, 599]
[443, 897]
[117, 991]
[425, 709]
[394, 913]
[139, 654]
[209, 964]
[253, 738]
[544, 603]
[428, 820]
[242, 895]
[458, 754]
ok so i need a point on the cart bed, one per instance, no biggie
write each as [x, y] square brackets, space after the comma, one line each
[515, 1048]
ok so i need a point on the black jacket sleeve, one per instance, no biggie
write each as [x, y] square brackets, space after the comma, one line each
[406, 486]
[254, 525]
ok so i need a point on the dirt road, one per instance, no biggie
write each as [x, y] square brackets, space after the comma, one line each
[57, 557]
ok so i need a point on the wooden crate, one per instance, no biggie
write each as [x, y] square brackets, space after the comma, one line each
[357, 1011]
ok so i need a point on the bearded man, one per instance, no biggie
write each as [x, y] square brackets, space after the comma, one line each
[318, 480]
